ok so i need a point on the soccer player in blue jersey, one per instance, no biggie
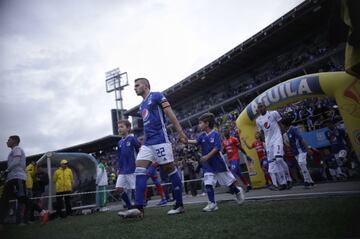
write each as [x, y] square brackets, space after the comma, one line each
[299, 147]
[338, 141]
[157, 146]
[128, 147]
[214, 165]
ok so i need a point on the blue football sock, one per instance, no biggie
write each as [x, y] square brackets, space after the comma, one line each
[140, 186]
[126, 199]
[210, 193]
[177, 186]
[234, 189]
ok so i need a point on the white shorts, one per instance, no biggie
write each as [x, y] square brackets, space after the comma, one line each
[341, 157]
[341, 154]
[224, 178]
[160, 153]
[335, 172]
[126, 181]
[275, 148]
[273, 167]
[301, 158]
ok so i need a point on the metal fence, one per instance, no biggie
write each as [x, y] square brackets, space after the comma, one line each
[85, 202]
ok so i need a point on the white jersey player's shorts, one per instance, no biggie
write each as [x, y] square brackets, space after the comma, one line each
[273, 167]
[275, 148]
[161, 153]
[224, 178]
[126, 181]
[335, 172]
[301, 158]
[340, 155]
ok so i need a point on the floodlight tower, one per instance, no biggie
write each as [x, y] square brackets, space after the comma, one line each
[116, 81]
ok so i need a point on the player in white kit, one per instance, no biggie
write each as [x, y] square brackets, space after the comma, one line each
[268, 122]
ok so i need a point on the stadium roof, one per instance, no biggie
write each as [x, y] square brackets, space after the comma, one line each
[89, 147]
[297, 22]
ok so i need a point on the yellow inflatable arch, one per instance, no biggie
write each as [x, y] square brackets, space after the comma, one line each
[340, 85]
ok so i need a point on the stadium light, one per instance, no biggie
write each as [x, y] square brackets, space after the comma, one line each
[115, 82]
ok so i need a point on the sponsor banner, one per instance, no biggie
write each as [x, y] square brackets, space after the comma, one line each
[340, 85]
[307, 85]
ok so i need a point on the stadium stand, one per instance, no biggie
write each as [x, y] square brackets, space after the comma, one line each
[294, 45]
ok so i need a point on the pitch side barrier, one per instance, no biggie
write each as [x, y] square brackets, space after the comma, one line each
[86, 200]
[343, 87]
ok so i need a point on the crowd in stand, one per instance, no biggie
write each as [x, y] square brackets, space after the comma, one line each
[310, 114]
[279, 66]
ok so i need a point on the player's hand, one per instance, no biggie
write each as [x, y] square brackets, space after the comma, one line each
[310, 150]
[183, 138]
[315, 150]
[203, 159]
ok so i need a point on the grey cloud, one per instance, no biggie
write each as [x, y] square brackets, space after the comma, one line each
[48, 106]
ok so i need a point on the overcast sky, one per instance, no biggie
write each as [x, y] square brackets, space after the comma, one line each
[54, 55]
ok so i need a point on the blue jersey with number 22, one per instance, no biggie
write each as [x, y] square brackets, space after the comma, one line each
[153, 117]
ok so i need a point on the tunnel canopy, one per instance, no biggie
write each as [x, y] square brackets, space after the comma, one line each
[82, 165]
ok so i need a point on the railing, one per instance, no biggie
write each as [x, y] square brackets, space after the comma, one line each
[85, 202]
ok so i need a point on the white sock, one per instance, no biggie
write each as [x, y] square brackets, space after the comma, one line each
[305, 173]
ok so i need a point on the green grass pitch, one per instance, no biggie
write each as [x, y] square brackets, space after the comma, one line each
[335, 217]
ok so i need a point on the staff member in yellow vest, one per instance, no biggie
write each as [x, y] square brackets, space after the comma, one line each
[30, 170]
[63, 179]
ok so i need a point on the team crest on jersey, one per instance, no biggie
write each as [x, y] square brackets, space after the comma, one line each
[128, 143]
[212, 140]
[266, 125]
[145, 114]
